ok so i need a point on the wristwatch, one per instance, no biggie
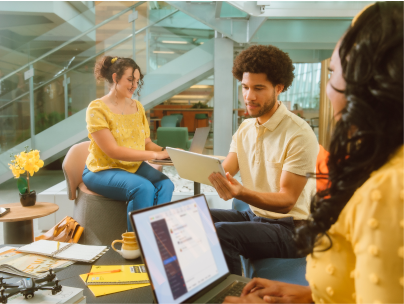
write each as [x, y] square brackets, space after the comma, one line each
[163, 149]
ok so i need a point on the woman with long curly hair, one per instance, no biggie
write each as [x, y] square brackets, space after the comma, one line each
[354, 236]
[120, 141]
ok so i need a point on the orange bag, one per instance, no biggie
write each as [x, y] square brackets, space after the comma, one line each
[67, 230]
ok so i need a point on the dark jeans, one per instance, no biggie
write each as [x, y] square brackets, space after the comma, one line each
[244, 233]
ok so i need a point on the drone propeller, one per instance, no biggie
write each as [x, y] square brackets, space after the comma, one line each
[10, 290]
[65, 279]
[50, 270]
[8, 285]
[4, 284]
[51, 283]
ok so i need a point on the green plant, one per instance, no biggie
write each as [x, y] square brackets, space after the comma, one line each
[199, 105]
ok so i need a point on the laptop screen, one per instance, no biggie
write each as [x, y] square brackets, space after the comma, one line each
[180, 248]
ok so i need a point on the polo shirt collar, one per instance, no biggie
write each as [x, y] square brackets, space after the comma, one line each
[274, 121]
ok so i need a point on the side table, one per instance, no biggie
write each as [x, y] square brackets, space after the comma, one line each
[18, 227]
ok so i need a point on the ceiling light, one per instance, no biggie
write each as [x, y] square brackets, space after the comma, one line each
[163, 52]
[190, 96]
[201, 86]
[200, 42]
[174, 42]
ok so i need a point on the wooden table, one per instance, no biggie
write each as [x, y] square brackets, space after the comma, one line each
[197, 186]
[18, 227]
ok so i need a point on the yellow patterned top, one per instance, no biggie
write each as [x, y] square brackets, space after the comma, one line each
[365, 262]
[129, 131]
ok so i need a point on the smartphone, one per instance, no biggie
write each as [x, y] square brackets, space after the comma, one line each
[4, 211]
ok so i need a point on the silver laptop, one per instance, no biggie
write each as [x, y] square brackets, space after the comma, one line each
[197, 145]
[182, 253]
[199, 140]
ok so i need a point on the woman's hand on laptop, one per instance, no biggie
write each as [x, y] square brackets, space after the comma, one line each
[228, 187]
[250, 298]
[259, 290]
[162, 155]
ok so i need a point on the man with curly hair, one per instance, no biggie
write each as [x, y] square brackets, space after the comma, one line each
[273, 152]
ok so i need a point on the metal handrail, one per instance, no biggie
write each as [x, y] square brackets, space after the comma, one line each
[88, 59]
[73, 39]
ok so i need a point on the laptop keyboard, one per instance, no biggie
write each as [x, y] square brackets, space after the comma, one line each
[234, 289]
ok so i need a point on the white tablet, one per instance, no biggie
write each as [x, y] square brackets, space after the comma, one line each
[195, 167]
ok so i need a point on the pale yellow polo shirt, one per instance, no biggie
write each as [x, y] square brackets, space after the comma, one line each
[285, 142]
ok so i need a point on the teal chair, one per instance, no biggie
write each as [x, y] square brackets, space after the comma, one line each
[169, 121]
[175, 137]
[179, 119]
[291, 271]
[201, 117]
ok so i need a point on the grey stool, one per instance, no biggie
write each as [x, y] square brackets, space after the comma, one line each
[103, 219]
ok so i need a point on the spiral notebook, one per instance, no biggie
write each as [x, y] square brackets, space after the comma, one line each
[129, 274]
[66, 251]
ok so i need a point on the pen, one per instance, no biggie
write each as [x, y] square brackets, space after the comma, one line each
[58, 246]
[101, 272]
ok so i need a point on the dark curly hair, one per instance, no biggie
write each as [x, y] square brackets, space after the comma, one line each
[269, 60]
[104, 69]
[371, 55]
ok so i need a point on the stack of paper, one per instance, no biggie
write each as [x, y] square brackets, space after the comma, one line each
[27, 265]
[129, 277]
[67, 295]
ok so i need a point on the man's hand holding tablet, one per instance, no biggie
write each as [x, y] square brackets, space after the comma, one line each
[228, 187]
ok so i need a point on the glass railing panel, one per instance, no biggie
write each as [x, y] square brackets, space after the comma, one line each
[10, 87]
[54, 101]
[173, 37]
[14, 117]
[56, 28]
[57, 35]
[229, 11]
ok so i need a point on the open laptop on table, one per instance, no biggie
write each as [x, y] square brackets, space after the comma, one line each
[197, 145]
[182, 253]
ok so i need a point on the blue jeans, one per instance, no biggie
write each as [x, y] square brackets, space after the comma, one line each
[145, 188]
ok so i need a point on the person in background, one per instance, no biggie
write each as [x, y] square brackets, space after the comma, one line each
[354, 238]
[273, 152]
[120, 141]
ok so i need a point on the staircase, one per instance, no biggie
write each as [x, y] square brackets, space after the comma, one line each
[159, 85]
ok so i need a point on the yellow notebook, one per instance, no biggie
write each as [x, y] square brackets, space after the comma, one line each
[129, 274]
[102, 290]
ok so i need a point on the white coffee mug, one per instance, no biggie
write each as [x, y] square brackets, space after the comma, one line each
[129, 254]
[130, 249]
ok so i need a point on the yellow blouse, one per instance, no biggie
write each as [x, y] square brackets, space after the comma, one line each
[365, 263]
[128, 130]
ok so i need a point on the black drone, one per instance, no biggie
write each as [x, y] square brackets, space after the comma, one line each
[28, 286]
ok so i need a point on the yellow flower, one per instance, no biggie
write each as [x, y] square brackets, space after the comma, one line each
[16, 171]
[29, 166]
[35, 153]
[26, 161]
[21, 159]
[39, 163]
